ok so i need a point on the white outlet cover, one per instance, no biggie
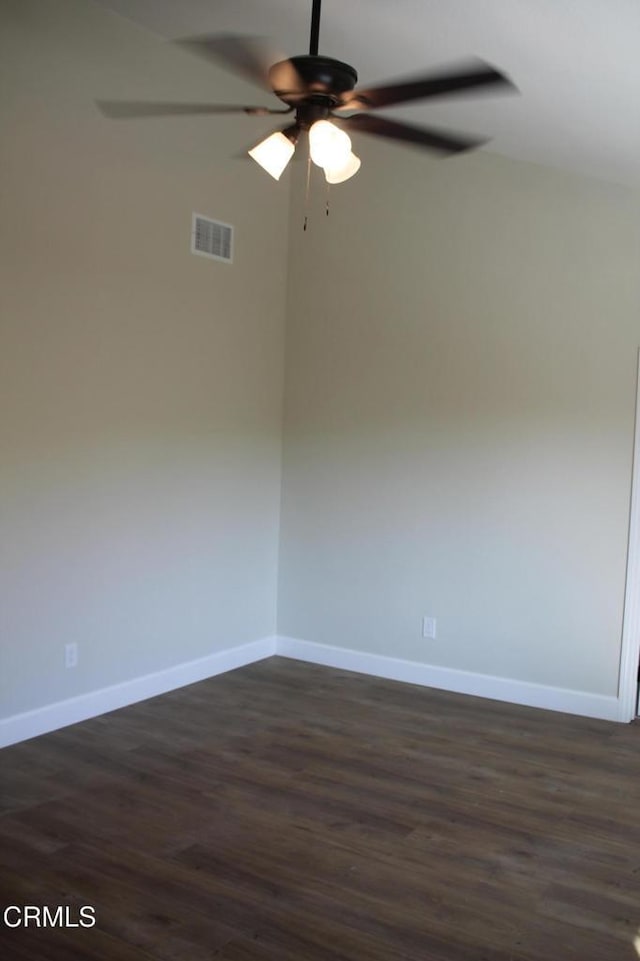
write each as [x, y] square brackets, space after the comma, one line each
[429, 627]
[71, 655]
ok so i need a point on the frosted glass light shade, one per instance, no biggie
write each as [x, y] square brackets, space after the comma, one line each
[341, 172]
[329, 146]
[273, 154]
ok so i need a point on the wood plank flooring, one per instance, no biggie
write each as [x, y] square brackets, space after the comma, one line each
[289, 812]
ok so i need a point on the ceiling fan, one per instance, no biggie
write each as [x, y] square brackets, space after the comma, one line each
[320, 91]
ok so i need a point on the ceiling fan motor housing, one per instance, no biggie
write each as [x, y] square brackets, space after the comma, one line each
[323, 79]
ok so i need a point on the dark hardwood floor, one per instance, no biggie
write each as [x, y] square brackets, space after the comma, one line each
[288, 812]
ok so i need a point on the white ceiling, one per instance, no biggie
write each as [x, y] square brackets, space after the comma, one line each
[575, 62]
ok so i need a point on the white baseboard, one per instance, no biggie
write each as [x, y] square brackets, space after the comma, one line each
[448, 679]
[20, 727]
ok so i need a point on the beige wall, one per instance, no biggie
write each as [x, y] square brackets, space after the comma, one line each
[140, 386]
[460, 392]
[460, 389]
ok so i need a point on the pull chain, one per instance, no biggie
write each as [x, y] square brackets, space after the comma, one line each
[306, 194]
[328, 191]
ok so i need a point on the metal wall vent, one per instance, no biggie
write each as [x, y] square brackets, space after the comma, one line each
[211, 238]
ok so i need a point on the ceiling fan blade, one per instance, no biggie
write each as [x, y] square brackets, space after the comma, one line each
[440, 140]
[250, 57]
[478, 76]
[130, 109]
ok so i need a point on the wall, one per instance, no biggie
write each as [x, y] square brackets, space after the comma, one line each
[460, 394]
[140, 386]
[460, 389]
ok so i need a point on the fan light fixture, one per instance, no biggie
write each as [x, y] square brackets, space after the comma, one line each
[338, 173]
[273, 154]
[329, 148]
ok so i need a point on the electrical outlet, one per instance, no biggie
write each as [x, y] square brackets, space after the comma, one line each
[429, 627]
[71, 655]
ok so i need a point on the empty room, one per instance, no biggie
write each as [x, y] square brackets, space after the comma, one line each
[319, 484]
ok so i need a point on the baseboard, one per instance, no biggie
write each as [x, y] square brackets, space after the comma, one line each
[43, 720]
[448, 679]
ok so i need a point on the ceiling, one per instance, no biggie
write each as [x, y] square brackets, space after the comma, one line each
[575, 63]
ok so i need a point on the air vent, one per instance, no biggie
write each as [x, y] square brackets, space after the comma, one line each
[210, 238]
